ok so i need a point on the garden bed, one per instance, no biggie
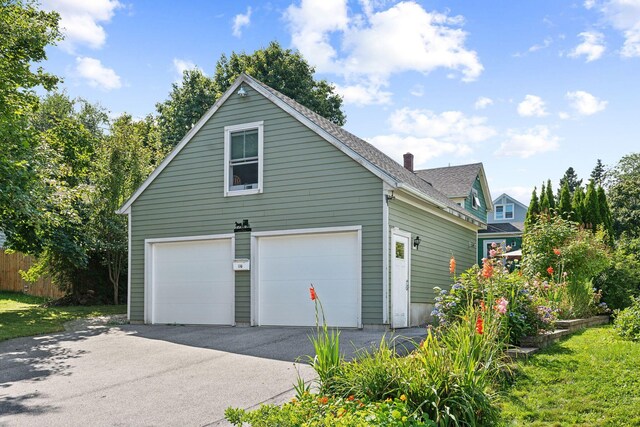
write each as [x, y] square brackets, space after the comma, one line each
[563, 328]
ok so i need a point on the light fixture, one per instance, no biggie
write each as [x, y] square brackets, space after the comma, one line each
[242, 93]
[416, 242]
[389, 196]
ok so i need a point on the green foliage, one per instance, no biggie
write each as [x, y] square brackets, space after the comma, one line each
[550, 197]
[604, 212]
[26, 32]
[315, 411]
[591, 213]
[534, 209]
[564, 203]
[627, 322]
[545, 204]
[285, 71]
[570, 178]
[598, 173]
[282, 69]
[590, 379]
[620, 282]
[577, 205]
[624, 196]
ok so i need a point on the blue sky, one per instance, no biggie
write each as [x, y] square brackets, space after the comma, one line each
[529, 88]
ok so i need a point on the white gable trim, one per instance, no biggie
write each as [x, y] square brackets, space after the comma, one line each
[511, 199]
[485, 189]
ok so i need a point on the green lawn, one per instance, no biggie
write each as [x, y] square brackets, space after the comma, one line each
[590, 379]
[22, 315]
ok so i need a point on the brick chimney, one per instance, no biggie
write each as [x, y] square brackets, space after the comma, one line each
[408, 161]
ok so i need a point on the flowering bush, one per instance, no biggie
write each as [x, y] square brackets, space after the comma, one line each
[508, 294]
[627, 322]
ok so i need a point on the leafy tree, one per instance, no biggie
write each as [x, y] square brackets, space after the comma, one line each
[597, 174]
[591, 209]
[285, 71]
[624, 196]
[564, 204]
[544, 200]
[577, 205]
[187, 103]
[126, 157]
[25, 34]
[282, 69]
[533, 211]
[571, 179]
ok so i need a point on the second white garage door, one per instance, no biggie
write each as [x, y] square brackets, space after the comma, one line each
[288, 264]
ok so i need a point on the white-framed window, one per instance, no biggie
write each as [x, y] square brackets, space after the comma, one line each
[475, 200]
[243, 159]
[503, 211]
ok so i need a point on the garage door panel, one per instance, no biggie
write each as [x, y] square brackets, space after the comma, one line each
[288, 265]
[193, 282]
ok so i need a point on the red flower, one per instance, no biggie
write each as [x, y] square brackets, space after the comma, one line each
[487, 269]
[323, 400]
[556, 251]
[351, 398]
[452, 265]
[479, 325]
[550, 270]
[482, 305]
[312, 292]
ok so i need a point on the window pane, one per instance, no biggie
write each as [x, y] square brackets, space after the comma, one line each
[244, 176]
[251, 143]
[237, 145]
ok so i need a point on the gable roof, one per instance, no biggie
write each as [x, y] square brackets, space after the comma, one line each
[358, 149]
[456, 181]
[522, 205]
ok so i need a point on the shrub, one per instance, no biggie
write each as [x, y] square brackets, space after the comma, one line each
[489, 285]
[627, 322]
[620, 282]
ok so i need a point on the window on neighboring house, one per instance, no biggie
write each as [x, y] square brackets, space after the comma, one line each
[504, 211]
[243, 159]
[475, 201]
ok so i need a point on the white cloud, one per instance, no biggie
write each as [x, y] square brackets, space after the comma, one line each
[423, 149]
[368, 48]
[584, 103]
[417, 90]
[545, 44]
[564, 115]
[528, 143]
[240, 21]
[532, 106]
[624, 16]
[80, 21]
[448, 126]
[592, 46]
[364, 94]
[96, 74]
[589, 4]
[482, 103]
[182, 65]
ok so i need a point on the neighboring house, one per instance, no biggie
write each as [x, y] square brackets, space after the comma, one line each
[3, 239]
[505, 226]
[263, 198]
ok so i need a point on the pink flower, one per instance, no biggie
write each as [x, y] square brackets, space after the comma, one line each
[492, 253]
[501, 305]
[494, 245]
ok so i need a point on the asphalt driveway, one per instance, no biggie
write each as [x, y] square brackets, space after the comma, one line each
[138, 375]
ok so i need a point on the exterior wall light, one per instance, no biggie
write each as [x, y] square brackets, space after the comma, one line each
[416, 242]
[242, 93]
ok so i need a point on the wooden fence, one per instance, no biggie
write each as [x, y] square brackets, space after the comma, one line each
[10, 279]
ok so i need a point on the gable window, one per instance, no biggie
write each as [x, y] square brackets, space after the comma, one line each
[475, 201]
[504, 211]
[243, 146]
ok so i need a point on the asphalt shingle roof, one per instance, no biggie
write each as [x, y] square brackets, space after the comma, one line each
[454, 181]
[374, 156]
[504, 227]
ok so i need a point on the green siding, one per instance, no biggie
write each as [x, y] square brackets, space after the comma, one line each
[481, 211]
[440, 239]
[308, 183]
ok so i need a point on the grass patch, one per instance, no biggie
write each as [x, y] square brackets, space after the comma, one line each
[592, 378]
[23, 315]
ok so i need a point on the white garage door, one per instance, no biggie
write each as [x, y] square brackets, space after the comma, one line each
[287, 265]
[192, 282]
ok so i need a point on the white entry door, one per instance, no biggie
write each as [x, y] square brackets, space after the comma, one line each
[400, 262]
